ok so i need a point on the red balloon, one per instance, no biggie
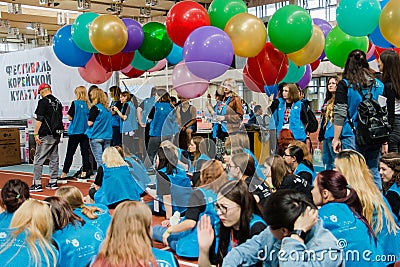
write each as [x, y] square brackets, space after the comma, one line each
[269, 67]
[250, 83]
[183, 18]
[115, 62]
[315, 64]
[93, 72]
[131, 72]
[379, 50]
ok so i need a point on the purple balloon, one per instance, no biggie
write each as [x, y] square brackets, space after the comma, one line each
[305, 80]
[135, 35]
[325, 28]
[208, 52]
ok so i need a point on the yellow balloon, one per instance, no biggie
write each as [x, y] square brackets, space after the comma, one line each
[311, 51]
[108, 34]
[248, 34]
[389, 22]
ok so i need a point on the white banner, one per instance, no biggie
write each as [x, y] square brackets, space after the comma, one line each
[23, 71]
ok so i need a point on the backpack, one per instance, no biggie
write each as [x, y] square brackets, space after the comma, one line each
[55, 125]
[312, 125]
[373, 125]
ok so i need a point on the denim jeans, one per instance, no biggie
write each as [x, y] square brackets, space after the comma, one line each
[372, 155]
[98, 146]
[48, 148]
[349, 143]
[328, 155]
[158, 232]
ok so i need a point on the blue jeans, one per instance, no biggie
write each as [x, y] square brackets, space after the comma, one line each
[158, 232]
[372, 155]
[328, 155]
[98, 146]
[349, 143]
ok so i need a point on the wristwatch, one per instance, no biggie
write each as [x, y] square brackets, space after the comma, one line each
[300, 233]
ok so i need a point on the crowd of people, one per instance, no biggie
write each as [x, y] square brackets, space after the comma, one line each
[217, 202]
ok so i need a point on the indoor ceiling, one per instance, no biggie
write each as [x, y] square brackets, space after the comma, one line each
[26, 20]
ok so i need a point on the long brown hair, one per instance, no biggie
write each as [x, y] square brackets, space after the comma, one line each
[128, 241]
[391, 69]
[392, 160]
[356, 71]
[213, 175]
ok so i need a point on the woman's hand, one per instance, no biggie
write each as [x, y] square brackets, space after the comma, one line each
[205, 233]
[165, 223]
[307, 220]
[165, 236]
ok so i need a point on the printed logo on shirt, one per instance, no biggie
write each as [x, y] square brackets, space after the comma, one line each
[163, 263]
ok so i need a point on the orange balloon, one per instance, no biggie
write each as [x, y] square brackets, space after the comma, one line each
[108, 34]
[311, 51]
[389, 22]
[248, 34]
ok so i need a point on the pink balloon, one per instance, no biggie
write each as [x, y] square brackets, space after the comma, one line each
[370, 51]
[159, 66]
[250, 83]
[93, 72]
[186, 84]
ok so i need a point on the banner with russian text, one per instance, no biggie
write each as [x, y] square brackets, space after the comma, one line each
[23, 71]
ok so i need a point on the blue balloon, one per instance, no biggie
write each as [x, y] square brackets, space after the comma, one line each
[271, 89]
[176, 55]
[67, 51]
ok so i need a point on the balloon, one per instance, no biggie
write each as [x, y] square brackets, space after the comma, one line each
[269, 66]
[371, 50]
[389, 22]
[294, 73]
[159, 66]
[379, 50]
[141, 63]
[248, 34]
[93, 72]
[315, 64]
[67, 51]
[311, 51]
[115, 62]
[131, 72]
[271, 90]
[183, 18]
[305, 80]
[156, 44]
[251, 83]
[80, 31]
[186, 83]
[175, 56]
[376, 36]
[338, 45]
[221, 11]
[135, 35]
[290, 28]
[208, 52]
[358, 17]
[326, 27]
[108, 34]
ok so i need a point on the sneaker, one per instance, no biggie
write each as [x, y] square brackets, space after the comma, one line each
[62, 180]
[52, 186]
[36, 188]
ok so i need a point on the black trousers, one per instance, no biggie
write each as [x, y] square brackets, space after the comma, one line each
[73, 141]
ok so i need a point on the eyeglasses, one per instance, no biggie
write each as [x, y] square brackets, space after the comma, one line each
[228, 152]
[222, 209]
[229, 166]
[287, 155]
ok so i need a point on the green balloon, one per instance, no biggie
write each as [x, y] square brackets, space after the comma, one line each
[80, 31]
[338, 45]
[221, 11]
[156, 44]
[290, 28]
[294, 73]
[141, 63]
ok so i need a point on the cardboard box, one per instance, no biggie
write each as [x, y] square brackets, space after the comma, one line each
[10, 150]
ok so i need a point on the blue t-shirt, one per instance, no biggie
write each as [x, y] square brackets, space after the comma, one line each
[5, 219]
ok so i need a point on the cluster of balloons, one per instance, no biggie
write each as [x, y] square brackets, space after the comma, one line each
[101, 44]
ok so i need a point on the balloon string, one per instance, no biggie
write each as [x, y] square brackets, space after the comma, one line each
[280, 68]
[262, 75]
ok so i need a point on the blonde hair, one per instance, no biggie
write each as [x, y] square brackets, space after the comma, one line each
[74, 197]
[34, 217]
[303, 147]
[98, 96]
[354, 167]
[128, 241]
[112, 158]
[81, 94]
